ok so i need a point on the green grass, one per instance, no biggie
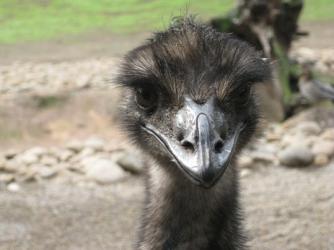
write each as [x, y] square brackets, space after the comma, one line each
[318, 10]
[34, 20]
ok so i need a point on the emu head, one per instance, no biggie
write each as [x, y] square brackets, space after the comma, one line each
[188, 100]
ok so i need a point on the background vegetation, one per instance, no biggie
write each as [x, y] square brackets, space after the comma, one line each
[33, 20]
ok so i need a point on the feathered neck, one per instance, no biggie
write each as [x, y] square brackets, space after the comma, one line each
[181, 215]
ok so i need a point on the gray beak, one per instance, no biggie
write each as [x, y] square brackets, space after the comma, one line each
[199, 152]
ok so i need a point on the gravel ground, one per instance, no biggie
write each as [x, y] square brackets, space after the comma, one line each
[69, 217]
[290, 208]
[57, 77]
[285, 209]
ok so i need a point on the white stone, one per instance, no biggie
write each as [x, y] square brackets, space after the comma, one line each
[262, 157]
[321, 160]
[48, 160]
[95, 143]
[308, 128]
[6, 178]
[86, 152]
[75, 146]
[46, 172]
[83, 81]
[307, 54]
[10, 154]
[38, 151]
[287, 140]
[323, 147]
[64, 154]
[131, 162]
[245, 161]
[296, 156]
[102, 170]
[12, 166]
[27, 158]
[328, 134]
[245, 172]
[31, 155]
[296, 139]
[13, 187]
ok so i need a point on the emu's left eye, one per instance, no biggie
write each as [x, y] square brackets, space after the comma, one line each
[244, 96]
[146, 98]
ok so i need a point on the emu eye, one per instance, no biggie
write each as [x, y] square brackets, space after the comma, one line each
[244, 96]
[145, 99]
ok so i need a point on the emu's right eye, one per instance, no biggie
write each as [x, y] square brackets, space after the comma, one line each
[146, 99]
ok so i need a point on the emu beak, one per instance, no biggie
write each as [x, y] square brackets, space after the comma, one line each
[201, 154]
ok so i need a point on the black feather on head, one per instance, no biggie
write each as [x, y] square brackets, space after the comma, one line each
[192, 58]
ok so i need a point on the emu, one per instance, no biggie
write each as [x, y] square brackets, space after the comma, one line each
[189, 105]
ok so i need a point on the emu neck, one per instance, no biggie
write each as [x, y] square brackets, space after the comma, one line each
[181, 215]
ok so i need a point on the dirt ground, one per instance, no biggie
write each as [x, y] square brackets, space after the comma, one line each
[284, 208]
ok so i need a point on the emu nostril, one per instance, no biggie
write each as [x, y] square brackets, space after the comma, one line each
[219, 146]
[188, 145]
[180, 137]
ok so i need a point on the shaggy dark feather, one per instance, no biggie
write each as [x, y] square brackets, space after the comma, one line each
[190, 57]
[189, 62]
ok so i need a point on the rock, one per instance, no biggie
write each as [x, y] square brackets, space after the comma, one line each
[64, 155]
[271, 137]
[46, 172]
[13, 187]
[62, 166]
[270, 148]
[287, 140]
[85, 153]
[321, 160]
[76, 168]
[27, 158]
[29, 176]
[48, 160]
[12, 166]
[296, 139]
[328, 134]
[323, 147]
[299, 138]
[276, 128]
[321, 66]
[306, 54]
[310, 140]
[6, 178]
[296, 156]
[103, 171]
[245, 172]
[37, 151]
[75, 146]
[83, 81]
[323, 115]
[308, 128]
[94, 143]
[263, 157]
[131, 162]
[245, 161]
[31, 155]
[10, 154]
[48, 77]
